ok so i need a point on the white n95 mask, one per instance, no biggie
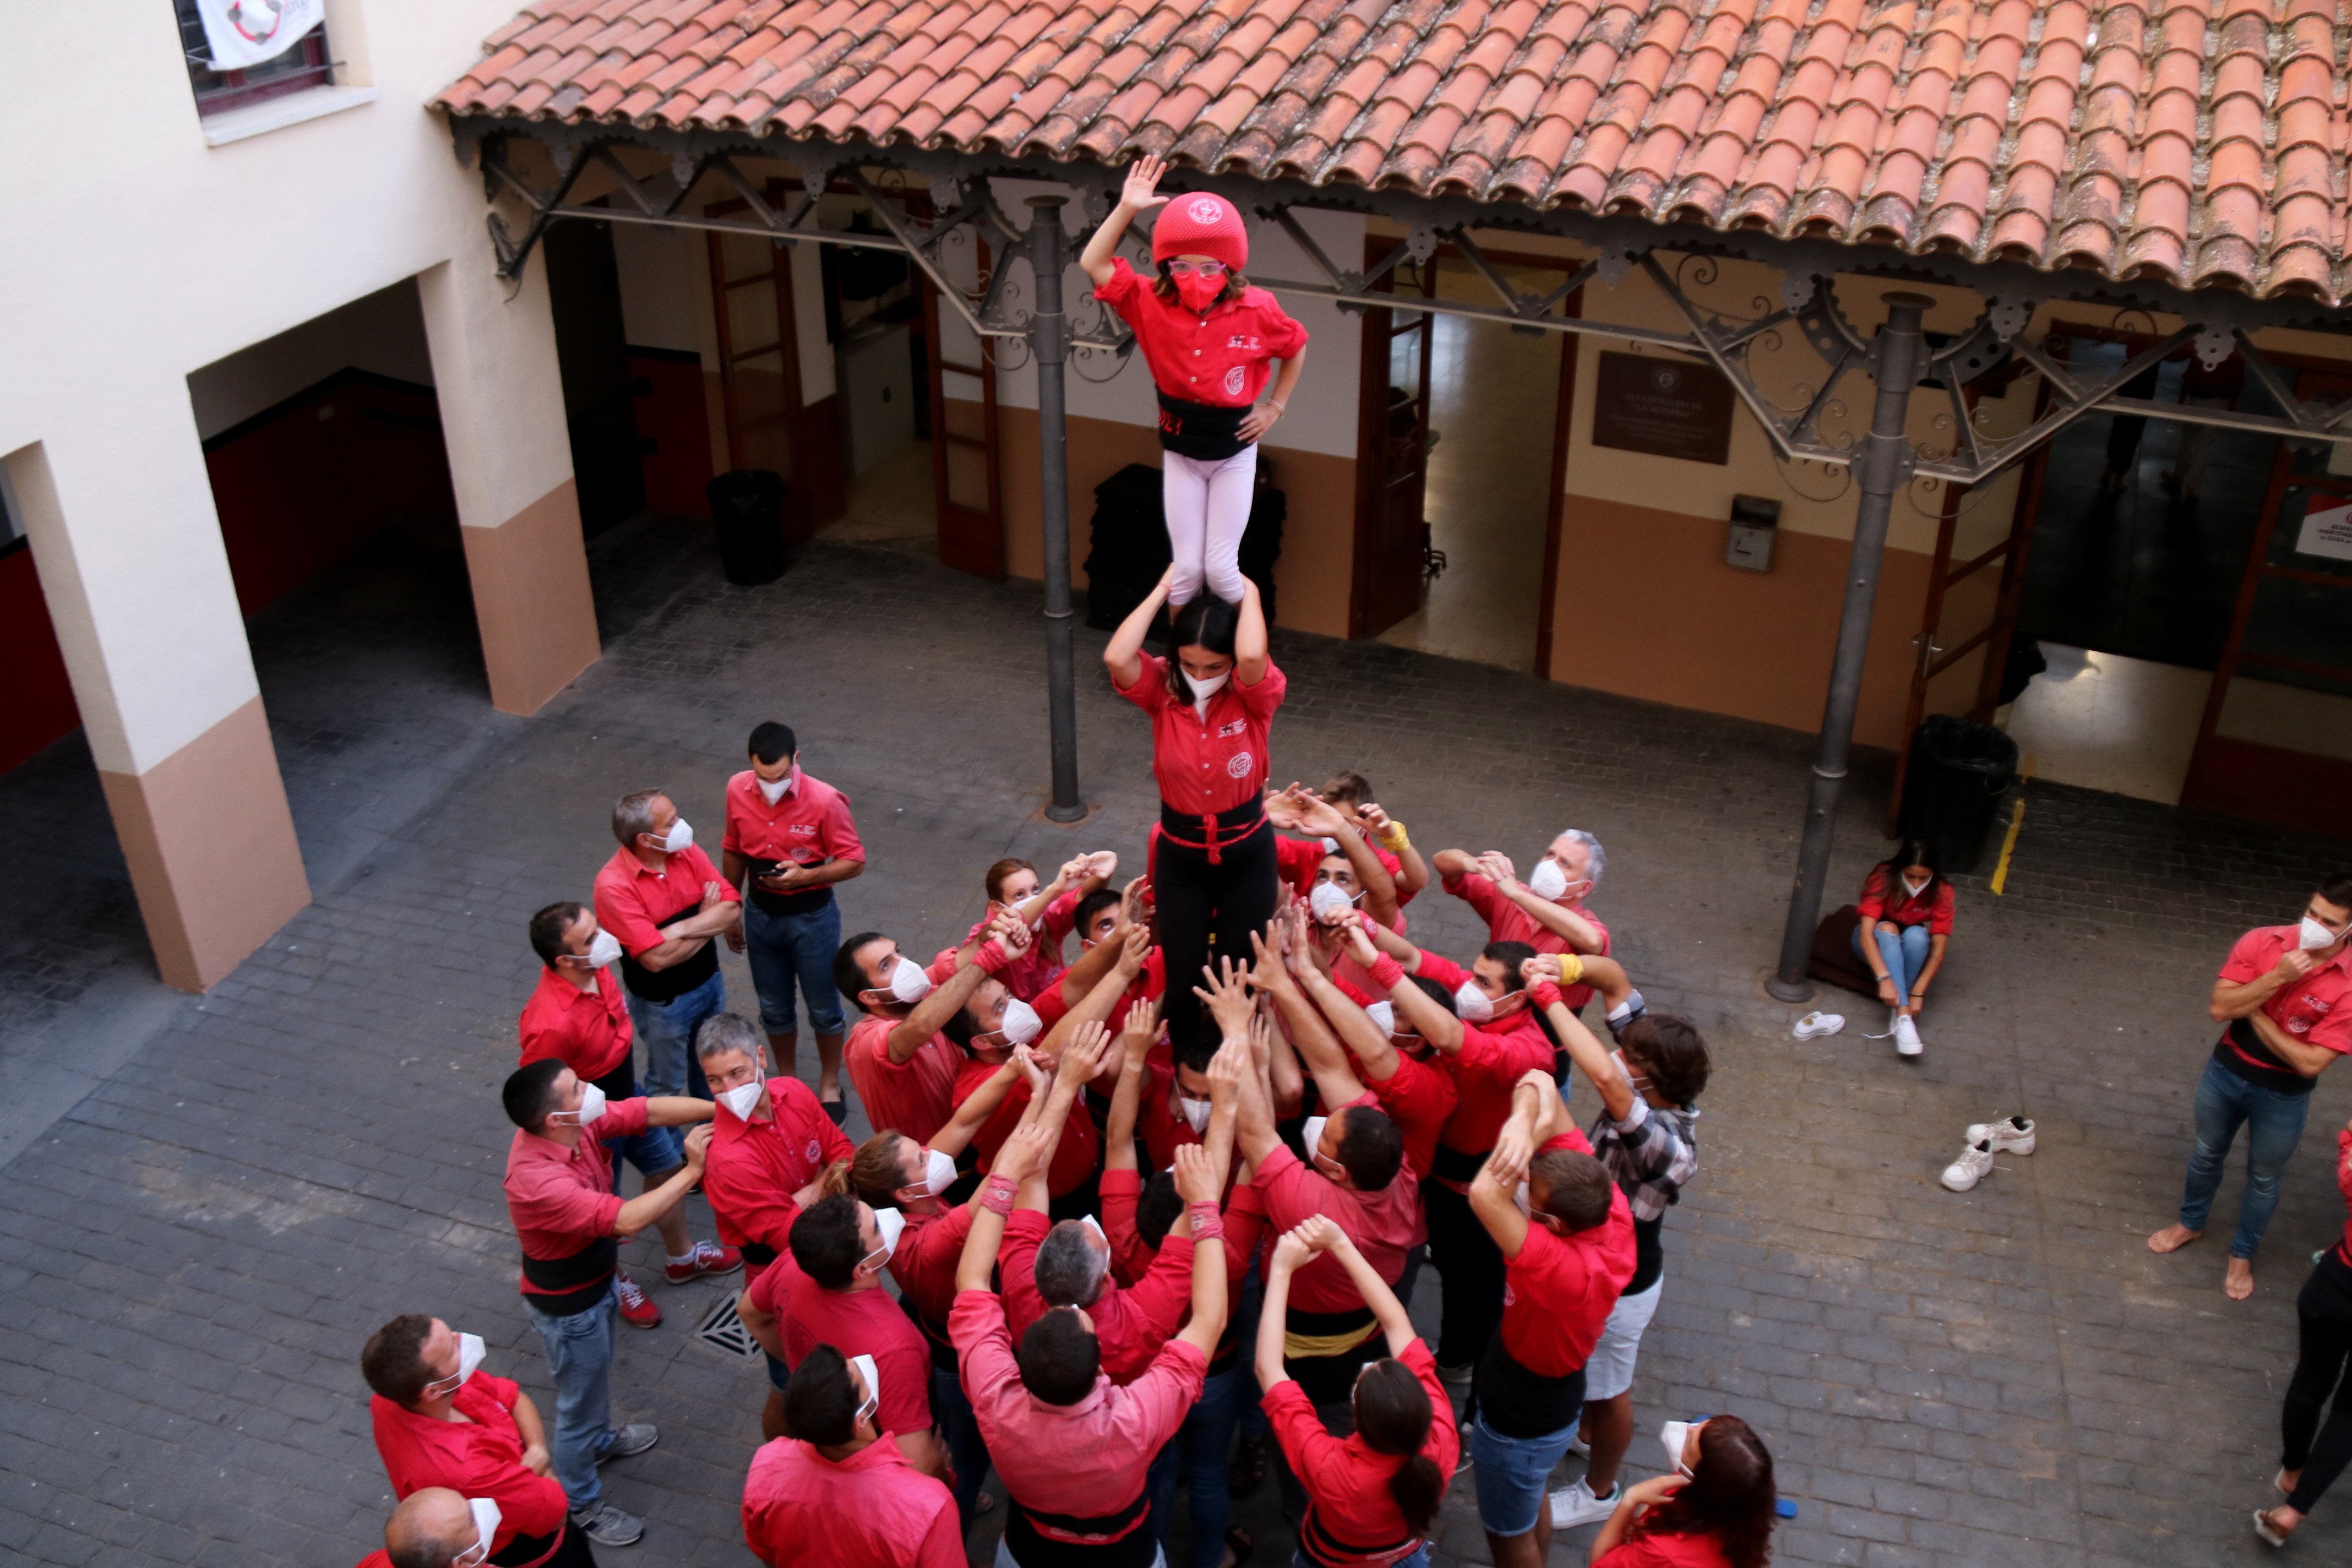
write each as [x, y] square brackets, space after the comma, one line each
[681, 837]
[1671, 1437]
[1383, 1016]
[1329, 898]
[743, 1099]
[469, 1358]
[938, 1172]
[872, 1407]
[890, 1223]
[1548, 882]
[603, 948]
[591, 1106]
[1204, 689]
[1021, 1024]
[1475, 1005]
[2311, 936]
[1195, 1112]
[775, 792]
[487, 1514]
[908, 984]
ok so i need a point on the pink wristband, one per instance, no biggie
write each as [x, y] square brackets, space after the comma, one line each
[1543, 993]
[1387, 973]
[997, 1196]
[991, 956]
[1208, 1222]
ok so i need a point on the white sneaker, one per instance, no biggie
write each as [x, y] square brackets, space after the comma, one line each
[2009, 1136]
[1574, 1504]
[1813, 1025]
[1968, 1170]
[1906, 1035]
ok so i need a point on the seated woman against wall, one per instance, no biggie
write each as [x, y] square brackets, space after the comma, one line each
[1906, 922]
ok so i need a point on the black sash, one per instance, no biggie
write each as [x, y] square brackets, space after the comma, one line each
[800, 903]
[758, 1252]
[1453, 1165]
[1115, 1539]
[1317, 1545]
[573, 1284]
[1200, 430]
[669, 984]
[528, 1548]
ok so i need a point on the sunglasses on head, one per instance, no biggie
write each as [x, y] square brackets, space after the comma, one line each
[1205, 268]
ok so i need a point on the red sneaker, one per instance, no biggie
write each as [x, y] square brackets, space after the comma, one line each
[709, 1257]
[637, 1309]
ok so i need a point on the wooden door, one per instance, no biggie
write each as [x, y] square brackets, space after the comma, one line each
[2275, 742]
[1392, 454]
[964, 479]
[760, 363]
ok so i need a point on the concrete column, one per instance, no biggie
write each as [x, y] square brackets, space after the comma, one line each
[120, 517]
[494, 370]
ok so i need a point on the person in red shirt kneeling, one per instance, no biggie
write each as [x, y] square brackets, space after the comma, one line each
[833, 1494]
[1715, 1510]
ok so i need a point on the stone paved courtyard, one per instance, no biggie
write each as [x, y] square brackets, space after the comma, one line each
[210, 1202]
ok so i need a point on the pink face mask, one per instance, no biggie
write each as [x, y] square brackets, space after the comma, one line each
[1199, 294]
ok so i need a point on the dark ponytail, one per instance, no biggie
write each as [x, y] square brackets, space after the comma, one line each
[1393, 1417]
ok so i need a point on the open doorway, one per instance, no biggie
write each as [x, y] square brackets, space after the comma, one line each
[1470, 428]
[591, 353]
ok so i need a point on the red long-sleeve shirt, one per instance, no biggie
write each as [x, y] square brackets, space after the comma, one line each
[1130, 1324]
[478, 1456]
[1351, 1520]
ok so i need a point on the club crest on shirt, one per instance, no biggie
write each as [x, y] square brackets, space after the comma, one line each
[1233, 379]
[1235, 727]
[815, 1152]
[1238, 764]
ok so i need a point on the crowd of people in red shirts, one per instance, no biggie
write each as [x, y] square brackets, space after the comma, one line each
[1136, 1218]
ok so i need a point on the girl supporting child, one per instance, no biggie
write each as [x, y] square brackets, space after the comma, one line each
[1210, 339]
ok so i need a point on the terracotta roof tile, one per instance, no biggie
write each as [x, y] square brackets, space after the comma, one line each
[2196, 143]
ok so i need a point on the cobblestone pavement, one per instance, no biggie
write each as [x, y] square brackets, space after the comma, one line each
[200, 1232]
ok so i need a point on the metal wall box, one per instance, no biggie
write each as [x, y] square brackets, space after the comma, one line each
[1755, 522]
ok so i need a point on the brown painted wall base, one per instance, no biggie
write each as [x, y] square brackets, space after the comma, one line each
[1311, 578]
[210, 845]
[1647, 608]
[531, 601]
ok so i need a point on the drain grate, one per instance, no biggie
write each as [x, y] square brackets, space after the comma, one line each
[722, 1329]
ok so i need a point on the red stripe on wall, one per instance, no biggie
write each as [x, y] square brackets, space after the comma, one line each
[40, 706]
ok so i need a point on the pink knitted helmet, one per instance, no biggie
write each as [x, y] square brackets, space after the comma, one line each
[1199, 224]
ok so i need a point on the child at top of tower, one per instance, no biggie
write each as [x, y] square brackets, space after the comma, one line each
[1210, 340]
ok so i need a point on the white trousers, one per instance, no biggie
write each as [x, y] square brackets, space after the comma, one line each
[1208, 509]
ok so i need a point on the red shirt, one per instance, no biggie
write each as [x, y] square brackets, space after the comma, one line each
[1162, 1126]
[1130, 1255]
[1420, 1097]
[478, 1456]
[1297, 859]
[755, 1167]
[1219, 359]
[1558, 1292]
[872, 1510]
[1153, 982]
[1212, 765]
[1492, 1058]
[924, 1261]
[855, 1324]
[1381, 1224]
[1934, 912]
[2316, 1009]
[587, 1031]
[809, 824]
[1130, 1325]
[1040, 966]
[376, 1559]
[1074, 1157]
[915, 1097]
[562, 1200]
[1506, 922]
[1351, 1520]
[1644, 1548]
[634, 901]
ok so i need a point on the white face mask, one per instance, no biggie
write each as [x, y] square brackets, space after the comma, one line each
[1020, 1024]
[872, 1408]
[1204, 689]
[938, 1172]
[486, 1525]
[469, 1357]
[774, 792]
[1475, 1005]
[1671, 1437]
[743, 1099]
[2311, 936]
[681, 837]
[603, 948]
[1310, 1136]
[1195, 1112]
[1383, 1018]
[1330, 844]
[1548, 882]
[889, 1222]
[1913, 888]
[1327, 900]
[1096, 1225]
[591, 1106]
[908, 984]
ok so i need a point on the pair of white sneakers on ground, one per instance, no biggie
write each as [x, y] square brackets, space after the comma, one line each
[2010, 1135]
[1899, 1028]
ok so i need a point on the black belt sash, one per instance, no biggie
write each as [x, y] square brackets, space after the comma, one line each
[1316, 1544]
[669, 984]
[1202, 431]
[1115, 1539]
[1453, 1165]
[573, 1284]
[800, 903]
[525, 1550]
[1218, 831]
[758, 1252]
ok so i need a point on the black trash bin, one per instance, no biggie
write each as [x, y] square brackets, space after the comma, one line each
[1959, 770]
[748, 506]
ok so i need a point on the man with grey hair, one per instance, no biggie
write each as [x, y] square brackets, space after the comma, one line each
[1069, 1264]
[1547, 912]
[665, 901]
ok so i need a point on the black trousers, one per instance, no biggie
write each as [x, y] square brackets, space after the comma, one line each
[2324, 1309]
[1198, 901]
[1472, 1266]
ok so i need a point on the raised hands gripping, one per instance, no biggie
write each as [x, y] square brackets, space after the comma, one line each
[1102, 865]
[1025, 1152]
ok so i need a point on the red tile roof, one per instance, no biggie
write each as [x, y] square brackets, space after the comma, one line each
[2194, 143]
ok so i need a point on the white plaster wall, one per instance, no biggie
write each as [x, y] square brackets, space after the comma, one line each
[384, 333]
[657, 271]
[137, 254]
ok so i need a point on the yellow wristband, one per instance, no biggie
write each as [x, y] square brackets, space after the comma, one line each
[1392, 836]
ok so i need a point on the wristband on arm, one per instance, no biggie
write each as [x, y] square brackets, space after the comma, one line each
[1543, 994]
[1387, 973]
[997, 1196]
[1208, 1222]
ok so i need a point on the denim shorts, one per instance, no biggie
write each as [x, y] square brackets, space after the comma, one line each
[1513, 1475]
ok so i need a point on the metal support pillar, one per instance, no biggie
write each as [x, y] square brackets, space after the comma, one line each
[1049, 341]
[1883, 471]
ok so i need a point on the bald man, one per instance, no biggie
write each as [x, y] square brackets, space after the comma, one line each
[434, 1527]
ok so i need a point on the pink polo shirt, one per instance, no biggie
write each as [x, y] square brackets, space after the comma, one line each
[872, 1510]
[809, 824]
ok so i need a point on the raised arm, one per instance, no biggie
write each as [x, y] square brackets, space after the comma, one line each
[1233, 1077]
[1198, 1183]
[1326, 820]
[1491, 1200]
[1134, 1072]
[973, 1113]
[1102, 998]
[1579, 933]
[647, 1207]
[1123, 655]
[1288, 1253]
[1396, 1323]
[1591, 1057]
[1249, 640]
[1139, 194]
[1028, 1149]
[1435, 1024]
[930, 1016]
[1300, 990]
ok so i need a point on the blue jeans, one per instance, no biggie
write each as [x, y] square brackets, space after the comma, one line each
[579, 1359]
[1903, 955]
[960, 1428]
[782, 948]
[655, 1152]
[2274, 1126]
[1512, 1474]
[1202, 1448]
[666, 1030]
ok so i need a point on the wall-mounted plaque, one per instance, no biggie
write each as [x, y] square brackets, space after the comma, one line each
[1674, 408]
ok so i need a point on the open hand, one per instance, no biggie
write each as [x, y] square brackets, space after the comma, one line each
[1134, 951]
[1083, 1056]
[1196, 1180]
[1228, 998]
[1142, 1028]
[1102, 865]
[1139, 191]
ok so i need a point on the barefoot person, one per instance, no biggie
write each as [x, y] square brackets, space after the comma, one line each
[2285, 995]
[2316, 1455]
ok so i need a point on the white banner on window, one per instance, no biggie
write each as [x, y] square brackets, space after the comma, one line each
[247, 32]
